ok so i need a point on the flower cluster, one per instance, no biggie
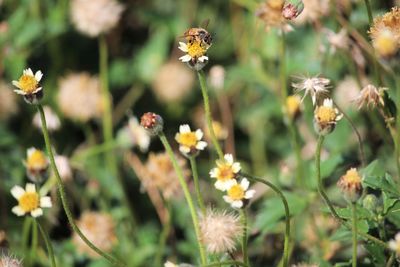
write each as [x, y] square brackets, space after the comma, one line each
[226, 173]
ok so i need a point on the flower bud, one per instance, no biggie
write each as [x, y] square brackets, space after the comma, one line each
[350, 184]
[291, 11]
[370, 202]
[152, 122]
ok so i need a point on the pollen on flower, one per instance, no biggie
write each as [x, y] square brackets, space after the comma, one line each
[325, 114]
[350, 184]
[29, 201]
[28, 83]
[196, 49]
[37, 160]
[187, 139]
[236, 192]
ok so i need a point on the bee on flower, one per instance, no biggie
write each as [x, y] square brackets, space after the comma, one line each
[238, 194]
[36, 164]
[226, 172]
[314, 86]
[326, 117]
[29, 86]
[190, 142]
[29, 201]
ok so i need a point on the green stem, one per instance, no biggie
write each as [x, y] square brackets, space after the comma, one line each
[163, 238]
[285, 256]
[297, 148]
[186, 192]
[243, 216]
[391, 260]
[63, 195]
[25, 234]
[282, 55]
[354, 233]
[48, 244]
[203, 86]
[397, 142]
[329, 203]
[95, 150]
[369, 11]
[34, 243]
[216, 264]
[200, 200]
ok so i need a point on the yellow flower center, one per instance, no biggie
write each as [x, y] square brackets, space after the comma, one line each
[236, 192]
[292, 105]
[351, 177]
[187, 139]
[225, 173]
[28, 83]
[386, 44]
[29, 202]
[325, 114]
[37, 160]
[196, 49]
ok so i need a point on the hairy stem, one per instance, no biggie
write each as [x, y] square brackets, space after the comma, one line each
[200, 200]
[354, 233]
[63, 195]
[48, 244]
[243, 216]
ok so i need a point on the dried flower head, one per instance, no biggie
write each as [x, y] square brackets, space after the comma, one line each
[52, 121]
[189, 142]
[173, 82]
[370, 96]
[9, 105]
[29, 201]
[9, 261]
[394, 245]
[219, 230]
[99, 228]
[93, 18]
[291, 11]
[313, 11]
[29, 87]
[63, 167]
[79, 97]
[293, 106]
[316, 87]
[36, 164]
[152, 122]
[216, 77]
[225, 172]
[350, 184]
[133, 134]
[326, 117]
[238, 194]
[385, 33]
[195, 54]
[271, 12]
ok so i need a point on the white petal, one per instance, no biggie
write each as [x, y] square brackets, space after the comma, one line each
[37, 90]
[30, 188]
[184, 149]
[201, 145]
[397, 236]
[203, 58]
[30, 151]
[28, 72]
[199, 134]
[38, 75]
[20, 92]
[236, 167]
[184, 128]
[249, 194]
[213, 172]
[245, 184]
[183, 47]
[45, 202]
[237, 204]
[177, 135]
[227, 199]
[328, 102]
[228, 158]
[17, 191]
[16, 84]
[18, 211]
[221, 185]
[392, 245]
[185, 58]
[37, 212]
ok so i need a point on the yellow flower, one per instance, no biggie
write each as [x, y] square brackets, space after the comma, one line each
[195, 54]
[350, 184]
[36, 164]
[238, 194]
[29, 201]
[225, 172]
[189, 142]
[293, 106]
[325, 117]
[28, 86]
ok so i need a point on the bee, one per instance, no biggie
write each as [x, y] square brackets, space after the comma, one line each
[199, 34]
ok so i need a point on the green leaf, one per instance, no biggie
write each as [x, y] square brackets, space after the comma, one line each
[377, 253]
[386, 184]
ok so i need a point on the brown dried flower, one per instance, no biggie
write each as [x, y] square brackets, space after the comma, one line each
[152, 122]
[350, 184]
[370, 96]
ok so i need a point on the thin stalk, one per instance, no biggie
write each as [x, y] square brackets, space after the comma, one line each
[200, 200]
[163, 238]
[369, 11]
[285, 256]
[204, 92]
[243, 216]
[282, 55]
[48, 244]
[216, 264]
[25, 234]
[391, 260]
[297, 148]
[354, 233]
[187, 194]
[329, 203]
[63, 195]
[95, 150]
[397, 142]
[34, 243]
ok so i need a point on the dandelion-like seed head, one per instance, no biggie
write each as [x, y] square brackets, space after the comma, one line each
[29, 201]
[385, 33]
[238, 194]
[29, 87]
[152, 122]
[219, 230]
[9, 261]
[99, 228]
[326, 117]
[350, 184]
[370, 96]
[225, 172]
[316, 87]
[36, 164]
[190, 142]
